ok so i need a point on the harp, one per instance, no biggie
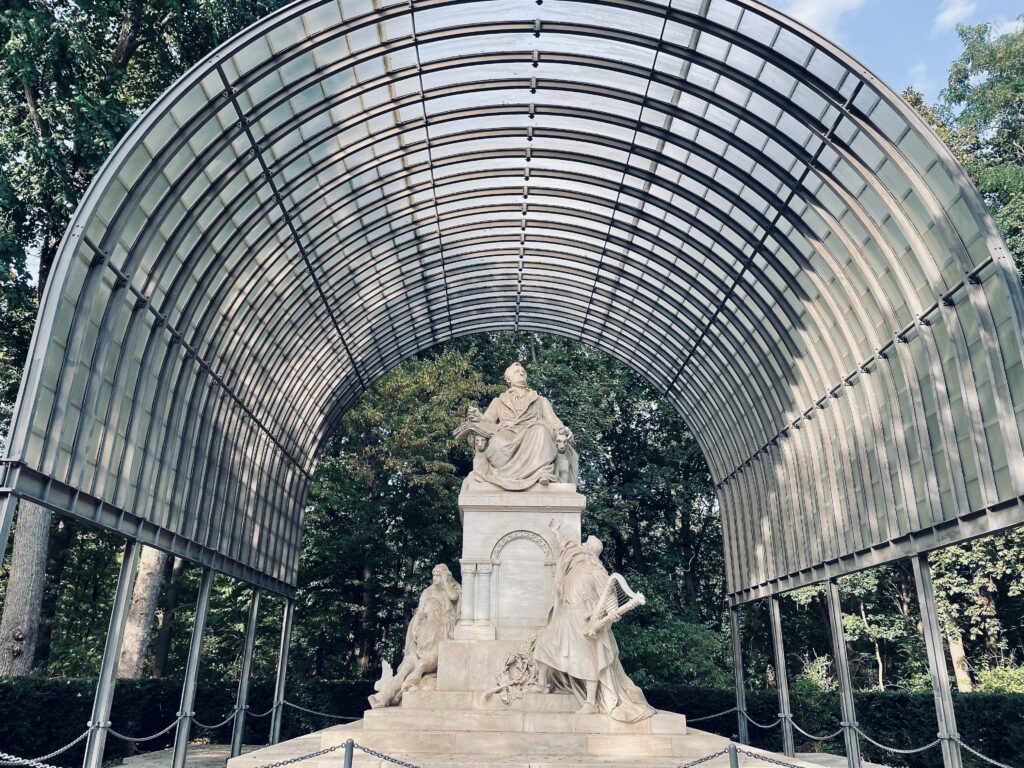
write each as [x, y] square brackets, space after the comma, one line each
[616, 600]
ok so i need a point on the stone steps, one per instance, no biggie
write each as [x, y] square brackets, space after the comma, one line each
[441, 749]
[517, 721]
[513, 745]
[465, 700]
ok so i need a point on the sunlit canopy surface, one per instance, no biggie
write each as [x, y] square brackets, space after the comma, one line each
[714, 195]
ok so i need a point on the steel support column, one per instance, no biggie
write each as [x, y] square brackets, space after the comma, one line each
[242, 703]
[737, 674]
[849, 711]
[282, 670]
[100, 720]
[951, 757]
[8, 504]
[188, 690]
[781, 677]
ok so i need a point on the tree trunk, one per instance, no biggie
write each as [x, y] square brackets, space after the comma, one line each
[366, 644]
[19, 626]
[964, 684]
[163, 638]
[878, 648]
[60, 543]
[137, 632]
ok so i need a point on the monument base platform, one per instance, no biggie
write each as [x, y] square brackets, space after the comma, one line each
[463, 744]
[462, 729]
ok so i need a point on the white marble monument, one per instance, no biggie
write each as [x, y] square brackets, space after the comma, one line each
[518, 665]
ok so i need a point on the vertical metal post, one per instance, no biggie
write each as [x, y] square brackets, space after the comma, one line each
[282, 670]
[349, 745]
[188, 689]
[946, 716]
[734, 756]
[781, 677]
[848, 709]
[100, 721]
[242, 703]
[737, 673]
[7, 505]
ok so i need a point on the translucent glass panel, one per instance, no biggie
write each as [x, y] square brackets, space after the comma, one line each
[722, 201]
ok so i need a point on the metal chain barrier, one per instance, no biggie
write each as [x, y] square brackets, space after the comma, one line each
[322, 714]
[15, 760]
[382, 756]
[300, 758]
[980, 756]
[262, 714]
[225, 721]
[816, 738]
[754, 722]
[896, 750]
[712, 717]
[765, 758]
[12, 760]
[140, 739]
[705, 759]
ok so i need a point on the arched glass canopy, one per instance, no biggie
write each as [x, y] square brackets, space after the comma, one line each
[704, 189]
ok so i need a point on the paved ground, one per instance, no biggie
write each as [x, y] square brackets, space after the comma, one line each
[216, 756]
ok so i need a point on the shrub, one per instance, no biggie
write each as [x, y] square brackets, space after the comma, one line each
[1001, 678]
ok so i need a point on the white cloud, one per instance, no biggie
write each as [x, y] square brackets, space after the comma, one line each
[920, 80]
[953, 12]
[823, 15]
[1007, 26]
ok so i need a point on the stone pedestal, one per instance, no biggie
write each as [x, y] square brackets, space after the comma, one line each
[508, 557]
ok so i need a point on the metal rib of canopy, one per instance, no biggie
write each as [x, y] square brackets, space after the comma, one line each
[704, 189]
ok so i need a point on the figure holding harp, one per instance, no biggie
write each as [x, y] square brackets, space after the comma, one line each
[577, 651]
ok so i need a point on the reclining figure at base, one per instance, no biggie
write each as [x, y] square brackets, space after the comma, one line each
[434, 621]
[576, 651]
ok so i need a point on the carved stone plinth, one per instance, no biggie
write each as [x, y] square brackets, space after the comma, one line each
[508, 556]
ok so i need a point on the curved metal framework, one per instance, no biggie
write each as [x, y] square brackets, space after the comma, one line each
[704, 189]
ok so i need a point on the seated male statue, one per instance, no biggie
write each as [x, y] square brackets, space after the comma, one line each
[518, 440]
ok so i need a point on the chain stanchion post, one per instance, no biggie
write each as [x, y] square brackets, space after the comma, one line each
[737, 673]
[847, 707]
[734, 756]
[282, 670]
[349, 747]
[188, 689]
[781, 676]
[945, 715]
[242, 702]
[100, 721]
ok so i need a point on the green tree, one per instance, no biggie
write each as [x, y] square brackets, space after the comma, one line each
[985, 97]
[73, 78]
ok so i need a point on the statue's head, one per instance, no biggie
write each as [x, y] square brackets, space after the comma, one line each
[441, 573]
[480, 442]
[594, 546]
[515, 375]
[561, 440]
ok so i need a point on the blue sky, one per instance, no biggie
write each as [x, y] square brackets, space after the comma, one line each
[905, 42]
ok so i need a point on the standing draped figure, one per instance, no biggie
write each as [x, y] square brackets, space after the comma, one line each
[570, 655]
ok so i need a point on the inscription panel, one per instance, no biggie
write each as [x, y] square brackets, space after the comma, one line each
[524, 578]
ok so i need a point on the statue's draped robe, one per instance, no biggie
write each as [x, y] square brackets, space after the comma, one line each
[522, 449]
[575, 658]
[435, 619]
